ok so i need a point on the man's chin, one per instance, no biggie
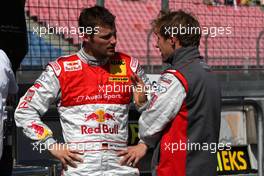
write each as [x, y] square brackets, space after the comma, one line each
[111, 53]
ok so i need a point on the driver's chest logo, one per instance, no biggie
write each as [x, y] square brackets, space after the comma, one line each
[118, 67]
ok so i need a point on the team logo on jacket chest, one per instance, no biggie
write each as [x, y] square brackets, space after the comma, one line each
[100, 116]
[72, 65]
[118, 67]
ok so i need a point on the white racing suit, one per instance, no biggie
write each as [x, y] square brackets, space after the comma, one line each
[8, 85]
[93, 100]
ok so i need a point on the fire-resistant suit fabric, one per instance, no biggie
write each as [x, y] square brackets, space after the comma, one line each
[92, 98]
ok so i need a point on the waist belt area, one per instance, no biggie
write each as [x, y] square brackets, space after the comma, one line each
[95, 146]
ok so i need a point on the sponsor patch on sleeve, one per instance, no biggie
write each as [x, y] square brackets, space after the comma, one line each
[43, 77]
[165, 79]
[29, 95]
[23, 105]
[72, 65]
[31, 92]
[160, 89]
[56, 67]
[40, 131]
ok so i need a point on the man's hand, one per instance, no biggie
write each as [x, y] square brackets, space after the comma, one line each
[133, 154]
[65, 155]
[140, 95]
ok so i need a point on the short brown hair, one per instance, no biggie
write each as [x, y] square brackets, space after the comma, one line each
[179, 20]
[96, 16]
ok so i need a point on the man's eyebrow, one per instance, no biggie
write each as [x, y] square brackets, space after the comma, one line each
[108, 34]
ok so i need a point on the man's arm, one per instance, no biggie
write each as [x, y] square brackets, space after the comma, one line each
[34, 104]
[165, 103]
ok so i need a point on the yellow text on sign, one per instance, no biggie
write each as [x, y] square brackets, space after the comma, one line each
[231, 161]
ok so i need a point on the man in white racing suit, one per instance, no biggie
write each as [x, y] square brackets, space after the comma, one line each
[92, 89]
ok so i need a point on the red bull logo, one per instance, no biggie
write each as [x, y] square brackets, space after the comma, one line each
[100, 116]
[39, 130]
[102, 128]
[72, 65]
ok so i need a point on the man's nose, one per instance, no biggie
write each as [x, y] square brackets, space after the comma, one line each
[113, 40]
[156, 45]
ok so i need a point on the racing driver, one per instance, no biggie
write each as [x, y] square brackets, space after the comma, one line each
[185, 112]
[92, 90]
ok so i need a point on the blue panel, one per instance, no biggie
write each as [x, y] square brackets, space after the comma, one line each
[40, 52]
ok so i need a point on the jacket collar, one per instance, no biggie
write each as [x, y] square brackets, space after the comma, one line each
[90, 59]
[182, 55]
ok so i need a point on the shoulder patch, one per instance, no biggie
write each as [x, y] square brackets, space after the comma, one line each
[134, 64]
[72, 65]
[180, 77]
[164, 78]
[56, 67]
[160, 89]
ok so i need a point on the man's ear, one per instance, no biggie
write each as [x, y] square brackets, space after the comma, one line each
[175, 43]
[86, 38]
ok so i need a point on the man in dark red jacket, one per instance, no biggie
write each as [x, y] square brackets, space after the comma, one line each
[184, 113]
